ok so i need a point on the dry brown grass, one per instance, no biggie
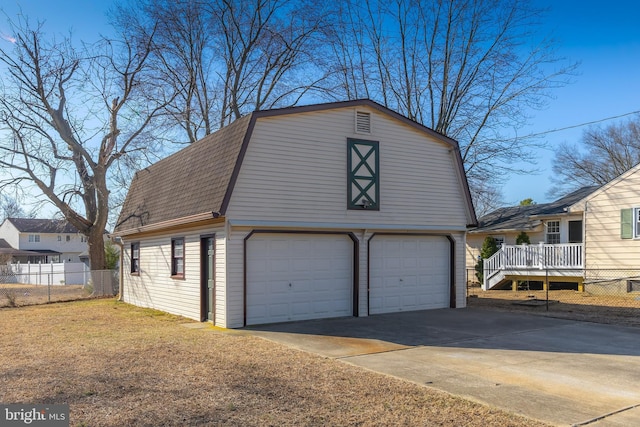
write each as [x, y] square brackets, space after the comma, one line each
[118, 365]
[21, 294]
[566, 304]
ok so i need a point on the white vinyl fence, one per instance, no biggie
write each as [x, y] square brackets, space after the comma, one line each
[53, 274]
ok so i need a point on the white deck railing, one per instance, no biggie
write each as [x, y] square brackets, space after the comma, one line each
[541, 256]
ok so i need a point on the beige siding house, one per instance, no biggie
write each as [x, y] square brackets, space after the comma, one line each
[341, 209]
[590, 237]
[612, 218]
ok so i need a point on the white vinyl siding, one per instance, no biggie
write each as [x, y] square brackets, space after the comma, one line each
[154, 288]
[220, 268]
[459, 240]
[295, 169]
[234, 296]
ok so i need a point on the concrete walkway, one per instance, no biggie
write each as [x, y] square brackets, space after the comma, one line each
[558, 371]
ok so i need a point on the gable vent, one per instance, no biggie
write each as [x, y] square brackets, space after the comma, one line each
[363, 122]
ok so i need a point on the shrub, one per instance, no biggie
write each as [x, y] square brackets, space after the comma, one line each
[489, 247]
[523, 238]
[11, 298]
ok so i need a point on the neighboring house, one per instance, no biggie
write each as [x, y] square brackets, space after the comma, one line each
[41, 240]
[340, 209]
[549, 223]
[572, 239]
[612, 218]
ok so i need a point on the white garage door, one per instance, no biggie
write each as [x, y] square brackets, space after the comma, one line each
[298, 276]
[408, 273]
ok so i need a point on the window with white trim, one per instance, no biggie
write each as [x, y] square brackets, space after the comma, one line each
[177, 257]
[499, 240]
[34, 238]
[553, 232]
[636, 223]
[135, 258]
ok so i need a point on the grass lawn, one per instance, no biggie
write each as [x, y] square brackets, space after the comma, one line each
[583, 306]
[22, 294]
[118, 365]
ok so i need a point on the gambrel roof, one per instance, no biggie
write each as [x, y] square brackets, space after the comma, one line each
[198, 181]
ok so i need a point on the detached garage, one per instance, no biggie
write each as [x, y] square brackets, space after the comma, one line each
[320, 211]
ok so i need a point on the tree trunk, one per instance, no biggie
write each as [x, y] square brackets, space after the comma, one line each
[96, 249]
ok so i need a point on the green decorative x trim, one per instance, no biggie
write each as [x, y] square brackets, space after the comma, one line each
[363, 165]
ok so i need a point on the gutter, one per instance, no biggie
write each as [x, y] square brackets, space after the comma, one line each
[206, 216]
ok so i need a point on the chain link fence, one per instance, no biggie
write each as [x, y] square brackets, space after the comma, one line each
[43, 287]
[602, 295]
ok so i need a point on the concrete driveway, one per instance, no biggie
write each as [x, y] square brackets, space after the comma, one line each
[559, 371]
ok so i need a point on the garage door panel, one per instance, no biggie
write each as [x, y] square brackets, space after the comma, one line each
[307, 276]
[408, 273]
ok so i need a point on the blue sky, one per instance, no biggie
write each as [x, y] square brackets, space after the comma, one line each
[603, 36]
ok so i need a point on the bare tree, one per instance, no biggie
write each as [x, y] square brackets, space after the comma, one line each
[602, 155]
[488, 199]
[465, 68]
[183, 58]
[10, 208]
[71, 115]
[227, 58]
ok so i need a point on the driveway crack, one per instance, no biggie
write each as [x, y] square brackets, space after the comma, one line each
[601, 417]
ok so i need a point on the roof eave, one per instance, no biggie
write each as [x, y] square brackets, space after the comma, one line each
[192, 220]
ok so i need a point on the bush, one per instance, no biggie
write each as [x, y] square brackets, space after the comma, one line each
[523, 238]
[11, 298]
[489, 247]
[112, 255]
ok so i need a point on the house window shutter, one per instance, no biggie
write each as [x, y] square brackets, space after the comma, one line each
[626, 223]
[363, 176]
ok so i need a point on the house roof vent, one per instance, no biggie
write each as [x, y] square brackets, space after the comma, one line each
[363, 122]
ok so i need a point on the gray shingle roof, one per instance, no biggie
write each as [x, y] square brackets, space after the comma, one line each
[519, 217]
[192, 181]
[32, 225]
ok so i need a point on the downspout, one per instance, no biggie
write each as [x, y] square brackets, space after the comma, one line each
[584, 242]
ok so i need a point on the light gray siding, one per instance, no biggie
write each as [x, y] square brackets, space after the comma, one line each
[10, 233]
[460, 274]
[295, 169]
[235, 279]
